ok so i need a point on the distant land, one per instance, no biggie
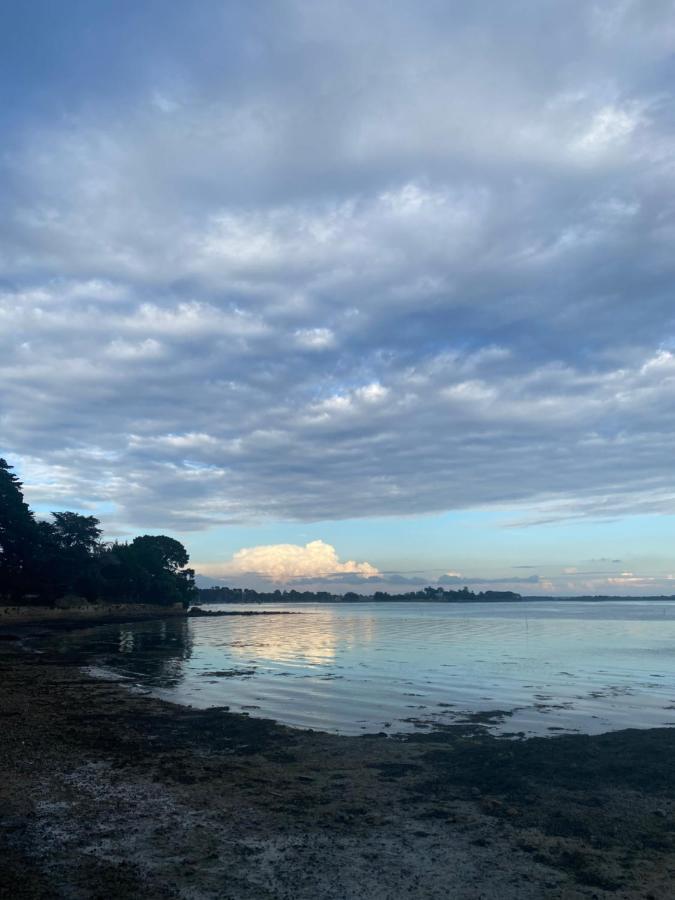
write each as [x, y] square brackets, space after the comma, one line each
[430, 594]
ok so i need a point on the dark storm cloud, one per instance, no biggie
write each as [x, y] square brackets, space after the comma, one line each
[340, 261]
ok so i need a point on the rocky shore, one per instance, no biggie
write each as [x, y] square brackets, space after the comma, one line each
[104, 792]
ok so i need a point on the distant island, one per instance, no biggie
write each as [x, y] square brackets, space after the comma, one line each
[429, 594]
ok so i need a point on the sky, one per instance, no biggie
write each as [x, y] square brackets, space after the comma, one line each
[347, 293]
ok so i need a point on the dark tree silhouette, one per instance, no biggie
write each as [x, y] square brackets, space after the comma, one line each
[160, 553]
[18, 535]
[164, 560]
[44, 561]
[74, 532]
[223, 594]
[151, 569]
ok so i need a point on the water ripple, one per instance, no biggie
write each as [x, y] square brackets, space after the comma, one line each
[549, 667]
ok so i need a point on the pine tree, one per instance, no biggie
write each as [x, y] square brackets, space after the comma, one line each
[18, 534]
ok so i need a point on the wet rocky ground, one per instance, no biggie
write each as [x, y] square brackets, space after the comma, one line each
[106, 793]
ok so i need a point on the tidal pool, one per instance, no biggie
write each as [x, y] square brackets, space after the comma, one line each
[517, 668]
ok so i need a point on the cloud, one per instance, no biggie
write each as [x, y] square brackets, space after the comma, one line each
[315, 338]
[286, 563]
[317, 567]
[507, 582]
[442, 280]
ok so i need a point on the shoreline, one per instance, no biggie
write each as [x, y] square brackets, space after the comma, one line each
[65, 621]
[98, 783]
[530, 598]
[12, 617]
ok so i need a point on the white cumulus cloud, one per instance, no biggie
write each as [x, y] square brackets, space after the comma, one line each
[286, 562]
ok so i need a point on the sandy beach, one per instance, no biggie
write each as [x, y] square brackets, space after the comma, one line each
[107, 792]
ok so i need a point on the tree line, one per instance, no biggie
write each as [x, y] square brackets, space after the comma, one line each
[43, 561]
[439, 594]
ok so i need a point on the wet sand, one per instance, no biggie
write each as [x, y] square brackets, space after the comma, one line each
[107, 793]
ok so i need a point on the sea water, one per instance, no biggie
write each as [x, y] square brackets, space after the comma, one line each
[526, 668]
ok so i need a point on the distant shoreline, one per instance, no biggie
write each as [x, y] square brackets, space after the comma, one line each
[601, 598]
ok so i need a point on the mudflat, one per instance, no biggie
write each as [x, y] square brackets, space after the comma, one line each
[105, 792]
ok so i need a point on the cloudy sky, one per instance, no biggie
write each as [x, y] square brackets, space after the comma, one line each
[345, 292]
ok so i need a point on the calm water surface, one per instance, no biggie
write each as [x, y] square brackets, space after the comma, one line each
[541, 668]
